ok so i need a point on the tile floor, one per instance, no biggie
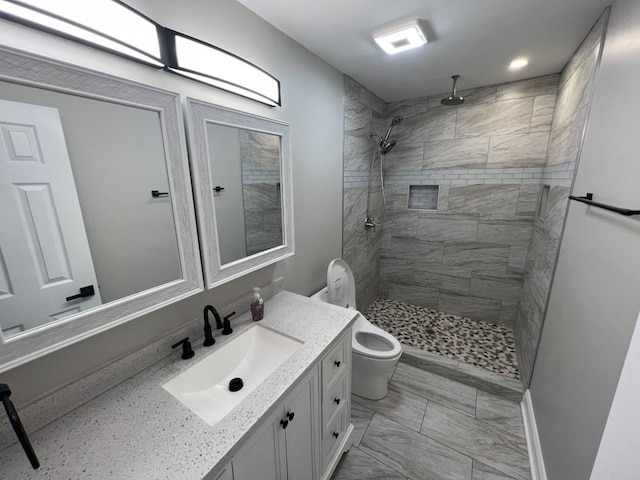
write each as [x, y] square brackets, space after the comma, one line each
[433, 428]
[482, 344]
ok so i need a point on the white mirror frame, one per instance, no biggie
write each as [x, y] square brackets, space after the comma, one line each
[198, 115]
[26, 69]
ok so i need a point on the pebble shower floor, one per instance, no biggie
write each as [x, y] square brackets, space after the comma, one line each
[476, 343]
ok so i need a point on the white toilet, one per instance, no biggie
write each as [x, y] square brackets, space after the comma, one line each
[375, 352]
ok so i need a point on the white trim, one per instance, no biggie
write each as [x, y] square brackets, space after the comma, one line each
[536, 461]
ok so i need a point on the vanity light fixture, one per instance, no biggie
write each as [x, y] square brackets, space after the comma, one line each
[193, 58]
[401, 37]
[109, 25]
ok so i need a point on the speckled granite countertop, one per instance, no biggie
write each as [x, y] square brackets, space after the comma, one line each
[137, 430]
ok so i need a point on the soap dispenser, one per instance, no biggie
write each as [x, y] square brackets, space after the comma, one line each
[257, 305]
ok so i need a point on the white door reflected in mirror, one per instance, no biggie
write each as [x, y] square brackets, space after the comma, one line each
[44, 251]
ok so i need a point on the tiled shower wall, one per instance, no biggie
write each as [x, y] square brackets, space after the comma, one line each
[260, 160]
[487, 158]
[364, 115]
[571, 112]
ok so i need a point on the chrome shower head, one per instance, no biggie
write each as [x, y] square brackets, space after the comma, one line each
[453, 99]
[386, 147]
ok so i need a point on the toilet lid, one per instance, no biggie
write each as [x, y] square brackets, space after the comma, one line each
[340, 284]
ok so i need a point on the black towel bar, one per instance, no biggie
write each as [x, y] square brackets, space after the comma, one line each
[588, 199]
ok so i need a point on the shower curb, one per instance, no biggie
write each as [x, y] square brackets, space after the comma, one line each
[505, 387]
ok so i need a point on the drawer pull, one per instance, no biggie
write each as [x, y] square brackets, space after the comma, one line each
[290, 415]
[337, 363]
[284, 423]
[336, 434]
[337, 400]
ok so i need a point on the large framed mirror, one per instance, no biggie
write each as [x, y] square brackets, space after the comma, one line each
[243, 188]
[97, 222]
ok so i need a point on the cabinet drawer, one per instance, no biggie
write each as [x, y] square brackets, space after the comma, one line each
[334, 399]
[334, 363]
[333, 434]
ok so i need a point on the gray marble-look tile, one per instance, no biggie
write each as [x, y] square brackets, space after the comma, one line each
[517, 259]
[592, 40]
[435, 388]
[402, 406]
[358, 465]
[360, 417]
[397, 196]
[528, 88]
[445, 277]
[476, 255]
[406, 108]
[483, 472]
[542, 115]
[524, 150]
[439, 227]
[492, 446]
[404, 156]
[351, 89]
[357, 152]
[412, 454]
[566, 140]
[260, 196]
[402, 222]
[397, 270]
[428, 126]
[371, 100]
[528, 200]
[507, 315]
[410, 247]
[500, 413]
[483, 199]
[414, 294]
[443, 198]
[476, 308]
[357, 119]
[556, 209]
[499, 118]
[509, 232]
[457, 153]
[503, 287]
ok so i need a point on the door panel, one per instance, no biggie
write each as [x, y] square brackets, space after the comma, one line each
[300, 431]
[44, 251]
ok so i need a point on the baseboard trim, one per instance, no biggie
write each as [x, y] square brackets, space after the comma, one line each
[536, 461]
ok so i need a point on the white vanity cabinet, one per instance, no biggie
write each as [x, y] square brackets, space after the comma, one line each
[285, 446]
[306, 435]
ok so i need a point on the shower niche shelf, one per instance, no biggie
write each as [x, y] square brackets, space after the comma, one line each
[423, 197]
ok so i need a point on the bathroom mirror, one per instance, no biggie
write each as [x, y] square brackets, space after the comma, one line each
[242, 181]
[98, 224]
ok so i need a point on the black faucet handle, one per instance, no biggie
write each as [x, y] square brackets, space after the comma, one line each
[227, 324]
[187, 351]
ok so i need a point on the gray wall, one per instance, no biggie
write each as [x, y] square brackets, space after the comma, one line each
[569, 119]
[594, 299]
[487, 157]
[363, 116]
[312, 101]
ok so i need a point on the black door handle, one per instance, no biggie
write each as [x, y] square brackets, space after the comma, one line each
[218, 188]
[284, 423]
[84, 292]
[290, 415]
[157, 193]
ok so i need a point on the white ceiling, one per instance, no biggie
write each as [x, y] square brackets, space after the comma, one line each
[473, 38]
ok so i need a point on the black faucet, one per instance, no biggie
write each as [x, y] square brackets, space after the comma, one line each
[5, 393]
[187, 351]
[227, 324]
[208, 336]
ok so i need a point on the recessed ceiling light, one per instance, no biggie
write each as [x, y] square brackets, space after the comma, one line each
[401, 37]
[518, 63]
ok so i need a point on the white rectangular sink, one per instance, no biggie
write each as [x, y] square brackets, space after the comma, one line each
[251, 356]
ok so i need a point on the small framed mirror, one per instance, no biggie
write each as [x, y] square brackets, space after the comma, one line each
[242, 181]
[97, 222]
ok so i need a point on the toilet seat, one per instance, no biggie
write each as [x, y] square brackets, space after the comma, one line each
[363, 326]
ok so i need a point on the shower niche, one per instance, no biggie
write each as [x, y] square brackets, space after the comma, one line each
[423, 197]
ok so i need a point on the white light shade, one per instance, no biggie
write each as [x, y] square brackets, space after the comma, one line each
[400, 38]
[107, 24]
[216, 67]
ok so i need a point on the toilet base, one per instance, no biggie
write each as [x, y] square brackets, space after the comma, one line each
[370, 376]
